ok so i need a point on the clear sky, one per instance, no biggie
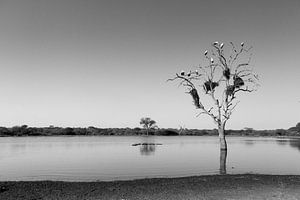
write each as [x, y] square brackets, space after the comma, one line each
[105, 63]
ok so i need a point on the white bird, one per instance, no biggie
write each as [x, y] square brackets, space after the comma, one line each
[242, 44]
[221, 45]
[205, 53]
[189, 74]
[197, 72]
[216, 43]
[182, 73]
[211, 60]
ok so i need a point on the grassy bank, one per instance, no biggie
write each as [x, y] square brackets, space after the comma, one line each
[201, 187]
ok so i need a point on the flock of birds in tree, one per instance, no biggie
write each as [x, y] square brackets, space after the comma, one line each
[210, 85]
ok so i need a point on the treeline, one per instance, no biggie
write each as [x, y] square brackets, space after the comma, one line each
[59, 131]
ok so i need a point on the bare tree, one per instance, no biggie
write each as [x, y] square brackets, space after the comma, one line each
[148, 123]
[227, 74]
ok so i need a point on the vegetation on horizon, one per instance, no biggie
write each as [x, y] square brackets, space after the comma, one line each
[59, 131]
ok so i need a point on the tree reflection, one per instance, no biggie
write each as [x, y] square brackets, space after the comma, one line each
[147, 149]
[282, 142]
[295, 143]
[223, 157]
[249, 142]
[147, 146]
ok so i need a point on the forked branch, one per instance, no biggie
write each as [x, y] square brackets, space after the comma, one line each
[221, 73]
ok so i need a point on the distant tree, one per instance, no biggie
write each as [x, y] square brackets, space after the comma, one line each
[280, 132]
[295, 129]
[181, 129]
[148, 123]
[19, 130]
[222, 79]
[248, 129]
[5, 131]
[68, 131]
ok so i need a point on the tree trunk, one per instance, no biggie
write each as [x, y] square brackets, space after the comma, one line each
[223, 157]
[223, 143]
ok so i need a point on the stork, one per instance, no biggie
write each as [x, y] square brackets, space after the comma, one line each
[221, 45]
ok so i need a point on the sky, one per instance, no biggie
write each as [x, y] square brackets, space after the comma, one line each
[105, 63]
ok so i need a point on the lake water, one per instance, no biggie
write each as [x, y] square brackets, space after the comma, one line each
[114, 158]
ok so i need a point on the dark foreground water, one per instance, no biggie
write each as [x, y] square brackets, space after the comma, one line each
[114, 157]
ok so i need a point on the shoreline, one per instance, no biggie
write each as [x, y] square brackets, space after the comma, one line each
[227, 136]
[25, 130]
[240, 186]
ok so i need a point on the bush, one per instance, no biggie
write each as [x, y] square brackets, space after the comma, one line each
[167, 132]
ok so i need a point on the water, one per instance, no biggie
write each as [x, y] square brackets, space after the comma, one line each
[114, 158]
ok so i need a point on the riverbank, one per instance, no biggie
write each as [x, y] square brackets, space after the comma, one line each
[248, 186]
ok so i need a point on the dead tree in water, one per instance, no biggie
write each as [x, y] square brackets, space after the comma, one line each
[222, 79]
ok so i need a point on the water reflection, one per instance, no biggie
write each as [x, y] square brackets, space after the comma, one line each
[295, 143]
[147, 145]
[111, 158]
[282, 142]
[147, 149]
[249, 142]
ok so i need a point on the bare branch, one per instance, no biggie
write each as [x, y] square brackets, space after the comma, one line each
[185, 80]
[222, 79]
[244, 90]
[208, 112]
[228, 111]
[203, 112]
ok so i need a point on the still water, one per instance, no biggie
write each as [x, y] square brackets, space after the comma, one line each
[103, 158]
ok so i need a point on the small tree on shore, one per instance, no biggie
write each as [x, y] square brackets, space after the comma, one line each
[148, 123]
[224, 76]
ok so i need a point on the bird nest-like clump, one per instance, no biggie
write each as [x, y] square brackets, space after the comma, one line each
[193, 92]
[230, 90]
[238, 81]
[210, 86]
[226, 73]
